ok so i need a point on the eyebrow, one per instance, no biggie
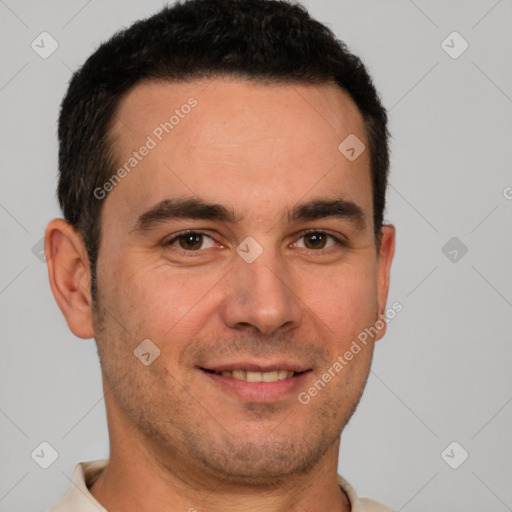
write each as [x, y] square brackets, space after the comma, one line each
[193, 208]
[196, 208]
[324, 208]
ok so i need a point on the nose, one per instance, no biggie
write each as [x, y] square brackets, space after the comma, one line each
[260, 296]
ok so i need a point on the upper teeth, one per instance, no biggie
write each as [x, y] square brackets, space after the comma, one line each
[259, 376]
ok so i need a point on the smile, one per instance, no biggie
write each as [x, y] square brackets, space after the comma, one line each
[255, 383]
[252, 376]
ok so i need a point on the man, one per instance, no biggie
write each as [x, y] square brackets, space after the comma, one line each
[223, 167]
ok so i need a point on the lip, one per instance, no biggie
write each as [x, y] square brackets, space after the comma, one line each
[260, 392]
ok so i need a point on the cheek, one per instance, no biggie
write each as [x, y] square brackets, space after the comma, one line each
[158, 303]
[344, 299]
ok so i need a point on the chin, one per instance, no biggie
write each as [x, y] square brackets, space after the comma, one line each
[266, 464]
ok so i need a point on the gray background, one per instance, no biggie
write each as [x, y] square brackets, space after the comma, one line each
[441, 374]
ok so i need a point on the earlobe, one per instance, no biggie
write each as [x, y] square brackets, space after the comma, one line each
[69, 275]
[386, 253]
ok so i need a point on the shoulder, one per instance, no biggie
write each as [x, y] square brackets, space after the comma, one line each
[373, 506]
[78, 497]
[360, 504]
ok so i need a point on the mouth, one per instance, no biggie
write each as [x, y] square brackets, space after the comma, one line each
[256, 383]
[256, 376]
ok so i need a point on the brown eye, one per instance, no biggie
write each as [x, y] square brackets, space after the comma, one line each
[315, 240]
[191, 241]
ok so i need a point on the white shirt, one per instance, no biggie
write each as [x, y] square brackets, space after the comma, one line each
[79, 499]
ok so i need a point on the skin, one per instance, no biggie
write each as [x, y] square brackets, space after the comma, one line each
[258, 150]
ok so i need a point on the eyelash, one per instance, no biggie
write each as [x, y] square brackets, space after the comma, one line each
[338, 241]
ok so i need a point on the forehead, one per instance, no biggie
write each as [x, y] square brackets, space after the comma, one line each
[237, 110]
[237, 142]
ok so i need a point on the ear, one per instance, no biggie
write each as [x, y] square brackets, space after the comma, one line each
[386, 253]
[70, 278]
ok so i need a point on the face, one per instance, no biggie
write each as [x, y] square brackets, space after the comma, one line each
[241, 244]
